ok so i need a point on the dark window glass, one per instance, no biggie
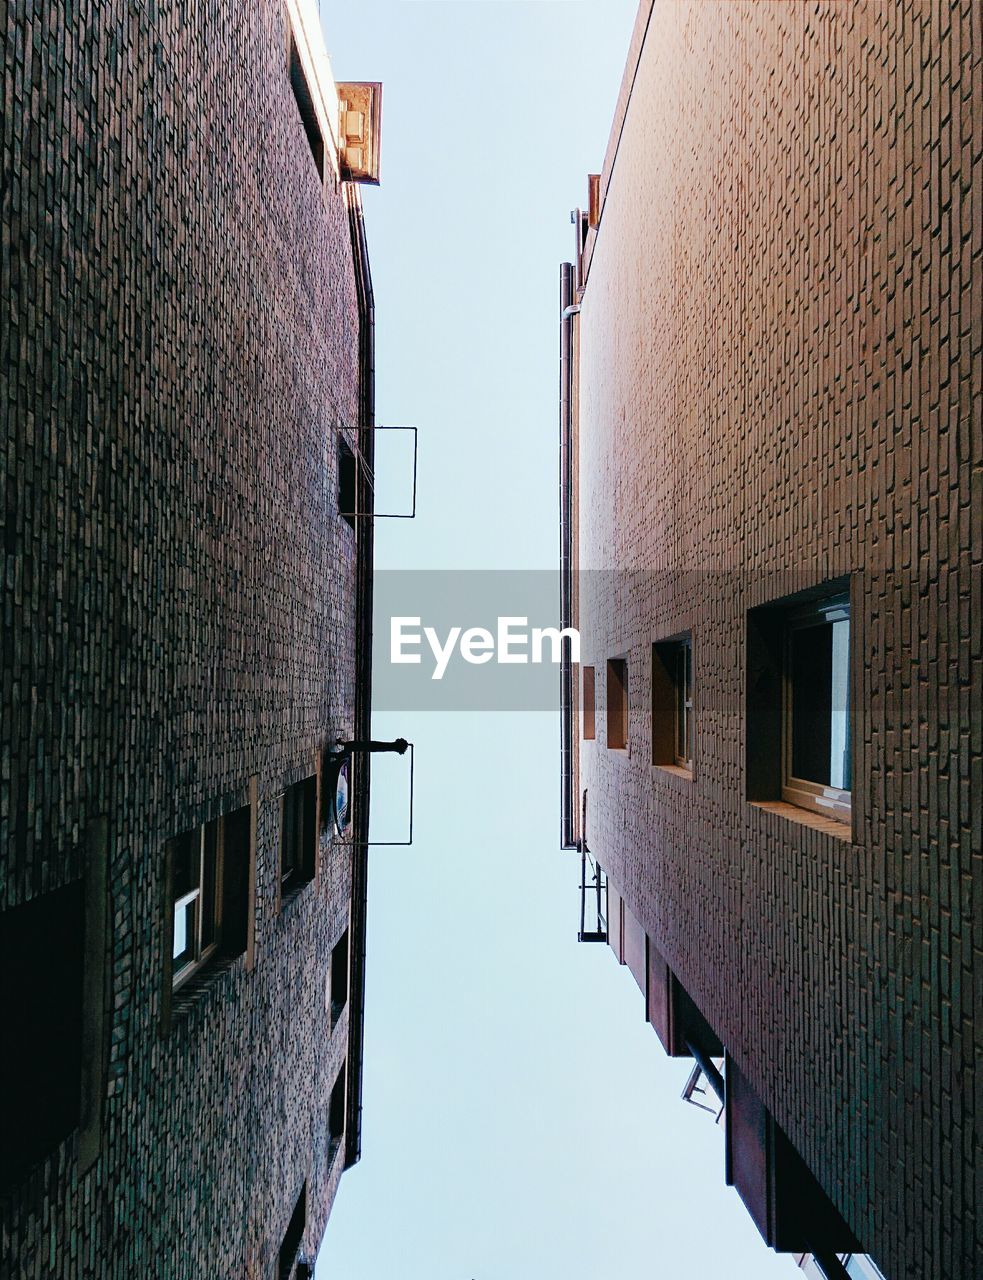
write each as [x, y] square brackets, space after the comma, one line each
[41, 963]
[293, 1237]
[336, 1115]
[339, 977]
[819, 695]
[347, 475]
[299, 835]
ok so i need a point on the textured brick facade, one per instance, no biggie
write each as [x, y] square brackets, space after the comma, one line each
[180, 342]
[779, 379]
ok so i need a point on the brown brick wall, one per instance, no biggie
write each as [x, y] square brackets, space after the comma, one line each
[179, 339]
[780, 382]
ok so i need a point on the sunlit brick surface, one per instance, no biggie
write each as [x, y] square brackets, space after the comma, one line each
[780, 382]
[179, 337]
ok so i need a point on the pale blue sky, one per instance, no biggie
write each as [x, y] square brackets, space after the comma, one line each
[520, 1119]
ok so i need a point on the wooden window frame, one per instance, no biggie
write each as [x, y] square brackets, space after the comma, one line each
[618, 707]
[674, 705]
[589, 704]
[302, 868]
[684, 728]
[829, 801]
[201, 953]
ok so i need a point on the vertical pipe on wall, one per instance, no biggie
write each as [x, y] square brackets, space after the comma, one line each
[567, 821]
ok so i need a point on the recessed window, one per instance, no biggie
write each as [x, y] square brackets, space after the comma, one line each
[209, 876]
[339, 978]
[336, 1116]
[305, 105]
[673, 721]
[588, 717]
[293, 1238]
[298, 835]
[617, 698]
[347, 491]
[799, 738]
[197, 900]
[817, 707]
[41, 1001]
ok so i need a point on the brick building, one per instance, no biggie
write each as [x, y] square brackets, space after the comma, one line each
[771, 542]
[187, 412]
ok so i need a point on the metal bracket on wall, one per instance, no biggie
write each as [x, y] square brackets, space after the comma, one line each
[370, 475]
[400, 844]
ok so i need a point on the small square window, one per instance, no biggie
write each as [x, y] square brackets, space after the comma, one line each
[673, 720]
[799, 737]
[617, 694]
[298, 835]
[588, 718]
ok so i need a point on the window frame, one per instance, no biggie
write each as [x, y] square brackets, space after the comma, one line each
[202, 953]
[339, 977]
[302, 868]
[673, 704]
[829, 801]
[618, 708]
[684, 715]
[588, 703]
[337, 1113]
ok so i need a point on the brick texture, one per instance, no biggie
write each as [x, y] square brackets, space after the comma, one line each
[179, 343]
[780, 382]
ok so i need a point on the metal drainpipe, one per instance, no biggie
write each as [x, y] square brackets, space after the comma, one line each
[709, 1069]
[363, 694]
[567, 840]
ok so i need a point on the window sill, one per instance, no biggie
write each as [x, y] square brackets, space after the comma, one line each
[200, 987]
[674, 771]
[290, 896]
[806, 818]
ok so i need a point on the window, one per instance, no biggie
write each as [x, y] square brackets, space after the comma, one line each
[209, 876]
[305, 105]
[41, 1003]
[289, 1258]
[347, 492]
[588, 721]
[673, 722]
[336, 1116]
[799, 747]
[816, 764]
[617, 692]
[339, 978]
[298, 835]
[197, 887]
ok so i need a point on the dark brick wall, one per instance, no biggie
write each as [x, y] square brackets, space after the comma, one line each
[780, 382]
[179, 339]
